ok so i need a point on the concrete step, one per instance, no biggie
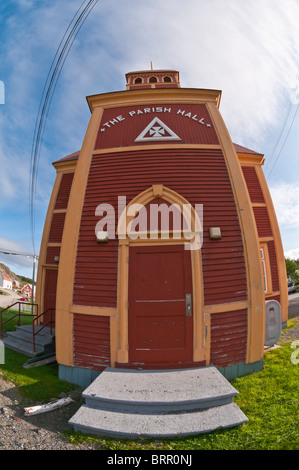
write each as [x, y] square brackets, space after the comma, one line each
[23, 348]
[128, 404]
[39, 340]
[45, 332]
[131, 426]
[21, 341]
[151, 391]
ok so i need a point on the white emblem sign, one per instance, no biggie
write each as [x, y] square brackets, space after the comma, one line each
[157, 131]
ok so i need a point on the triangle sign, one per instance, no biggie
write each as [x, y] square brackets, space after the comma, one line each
[155, 131]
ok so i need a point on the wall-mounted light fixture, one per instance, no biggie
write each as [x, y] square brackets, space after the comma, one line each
[215, 233]
[102, 237]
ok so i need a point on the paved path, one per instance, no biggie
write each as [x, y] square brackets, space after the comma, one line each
[294, 305]
[6, 300]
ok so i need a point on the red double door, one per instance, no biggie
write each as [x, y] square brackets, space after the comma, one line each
[160, 305]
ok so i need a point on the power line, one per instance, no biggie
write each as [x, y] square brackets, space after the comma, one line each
[283, 128]
[283, 142]
[47, 95]
[5, 251]
[44, 109]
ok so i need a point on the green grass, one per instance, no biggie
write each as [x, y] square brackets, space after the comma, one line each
[268, 398]
[26, 319]
[38, 384]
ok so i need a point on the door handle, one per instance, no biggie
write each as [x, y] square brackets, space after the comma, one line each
[188, 305]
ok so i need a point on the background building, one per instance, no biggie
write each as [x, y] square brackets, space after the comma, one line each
[5, 281]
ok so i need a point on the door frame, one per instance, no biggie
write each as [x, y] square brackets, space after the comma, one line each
[201, 327]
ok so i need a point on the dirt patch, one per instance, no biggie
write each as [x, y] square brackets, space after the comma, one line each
[291, 333]
[40, 432]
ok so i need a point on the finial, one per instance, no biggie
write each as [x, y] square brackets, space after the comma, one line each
[152, 68]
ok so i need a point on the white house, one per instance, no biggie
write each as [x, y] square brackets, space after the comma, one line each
[5, 281]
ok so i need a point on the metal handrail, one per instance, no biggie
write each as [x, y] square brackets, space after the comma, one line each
[14, 316]
[35, 318]
[50, 322]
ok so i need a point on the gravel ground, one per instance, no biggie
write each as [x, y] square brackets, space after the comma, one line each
[39, 432]
[43, 432]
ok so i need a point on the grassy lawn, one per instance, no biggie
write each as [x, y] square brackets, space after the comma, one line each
[268, 398]
[38, 384]
[26, 319]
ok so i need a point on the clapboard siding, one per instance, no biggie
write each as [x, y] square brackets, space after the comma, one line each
[273, 266]
[64, 191]
[228, 338]
[57, 227]
[52, 252]
[275, 297]
[253, 184]
[198, 175]
[91, 341]
[262, 221]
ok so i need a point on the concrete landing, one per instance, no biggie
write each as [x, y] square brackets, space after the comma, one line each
[129, 404]
[177, 390]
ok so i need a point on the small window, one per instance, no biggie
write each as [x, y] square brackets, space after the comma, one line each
[138, 80]
[264, 269]
[167, 79]
[153, 80]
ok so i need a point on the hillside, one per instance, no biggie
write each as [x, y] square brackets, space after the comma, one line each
[15, 277]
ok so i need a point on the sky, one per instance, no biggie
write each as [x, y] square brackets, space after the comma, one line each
[248, 50]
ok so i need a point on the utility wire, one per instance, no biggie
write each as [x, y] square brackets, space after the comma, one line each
[46, 99]
[44, 111]
[284, 142]
[283, 128]
[16, 253]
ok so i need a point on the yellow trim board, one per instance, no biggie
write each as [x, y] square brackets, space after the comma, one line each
[281, 266]
[64, 317]
[256, 309]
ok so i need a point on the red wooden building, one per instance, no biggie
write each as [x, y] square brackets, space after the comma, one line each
[136, 294]
[27, 291]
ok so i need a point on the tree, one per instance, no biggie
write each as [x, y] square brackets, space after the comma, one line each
[292, 269]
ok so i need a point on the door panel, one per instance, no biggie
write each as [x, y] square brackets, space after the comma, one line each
[50, 293]
[159, 329]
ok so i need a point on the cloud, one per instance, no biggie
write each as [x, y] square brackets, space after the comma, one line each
[22, 264]
[292, 254]
[248, 50]
[286, 202]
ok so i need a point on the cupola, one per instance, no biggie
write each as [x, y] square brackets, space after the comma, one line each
[153, 79]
